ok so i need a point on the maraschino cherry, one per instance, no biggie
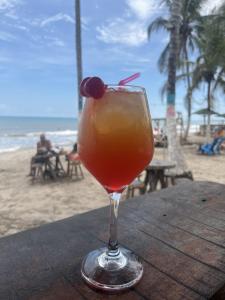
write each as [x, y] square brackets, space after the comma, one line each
[92, 87]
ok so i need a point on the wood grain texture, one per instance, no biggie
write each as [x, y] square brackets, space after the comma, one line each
[178, 232]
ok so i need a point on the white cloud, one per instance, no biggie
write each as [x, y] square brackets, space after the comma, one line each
[7, 4]
[58, 42]
[21, 27]
[131, 28]
[84, 22]
[57, 60]
[5, 59]
[121, 31]
[130, 69]
[143, 9]
[128, 59]
[6, 37]
[209, 5]
[142, 60]
[54, 41]
[12, 15]
[57, 18]
[3, 106]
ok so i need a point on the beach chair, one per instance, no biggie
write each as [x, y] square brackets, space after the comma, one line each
[74, 169]
[211, 148]
[42, 168]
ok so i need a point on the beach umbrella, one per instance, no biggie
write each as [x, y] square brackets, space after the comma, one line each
[221, 115]
[205, 111]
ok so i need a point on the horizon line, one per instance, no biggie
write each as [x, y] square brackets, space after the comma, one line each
[20, 116]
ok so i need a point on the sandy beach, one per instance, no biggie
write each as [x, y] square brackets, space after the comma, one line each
[25, 205]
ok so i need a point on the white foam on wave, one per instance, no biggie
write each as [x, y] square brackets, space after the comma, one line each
[63, 133]
[37, 133]
[12, 149]
[58, 133]
[61, 138]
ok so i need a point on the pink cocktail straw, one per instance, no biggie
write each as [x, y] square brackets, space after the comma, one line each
[128, 79]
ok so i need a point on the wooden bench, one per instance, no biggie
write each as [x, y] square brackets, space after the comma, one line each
[178, 232]
[177, 178]
[136, 185]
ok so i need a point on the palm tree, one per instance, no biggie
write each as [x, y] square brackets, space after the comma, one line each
[174, 151]
[190, 22]
[210, 65]
[78, 46]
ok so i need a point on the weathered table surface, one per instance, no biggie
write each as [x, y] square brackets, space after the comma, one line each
[160, 165]
[178, 232]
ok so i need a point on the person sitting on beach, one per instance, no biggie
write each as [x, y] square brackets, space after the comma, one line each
[73, 155]
[214, 147]
[219, 137]
[73, 160]
[43, 147]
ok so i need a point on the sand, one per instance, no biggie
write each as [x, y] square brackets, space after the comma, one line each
[25, 205]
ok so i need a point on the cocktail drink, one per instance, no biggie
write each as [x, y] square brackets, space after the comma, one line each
[115, 143]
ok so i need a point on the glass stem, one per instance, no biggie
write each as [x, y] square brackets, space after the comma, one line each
[113, 249]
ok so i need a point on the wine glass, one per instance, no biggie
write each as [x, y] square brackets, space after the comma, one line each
[115, 143]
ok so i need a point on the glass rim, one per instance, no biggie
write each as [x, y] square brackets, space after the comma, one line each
[127, 85]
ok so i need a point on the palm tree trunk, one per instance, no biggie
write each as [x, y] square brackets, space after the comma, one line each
[174, 150]
[189, 94]
[78, 53]
[208, 135]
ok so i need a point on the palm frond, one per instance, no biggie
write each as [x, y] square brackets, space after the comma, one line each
[220, 80]
[163, 59]
[191, 44]
[157, 24]
[163, 91]
[195, 5]
[168, 3]
[182, 65]
[197, 77]
[183, 76]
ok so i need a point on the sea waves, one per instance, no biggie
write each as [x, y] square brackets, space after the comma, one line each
[14, 141]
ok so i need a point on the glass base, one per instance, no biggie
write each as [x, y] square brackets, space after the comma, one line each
[111, 271]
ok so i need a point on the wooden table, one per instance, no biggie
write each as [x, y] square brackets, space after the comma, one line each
[54, 165]
[155, 173]
[178, 232]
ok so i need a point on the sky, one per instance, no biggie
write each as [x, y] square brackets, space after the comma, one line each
[37, 53]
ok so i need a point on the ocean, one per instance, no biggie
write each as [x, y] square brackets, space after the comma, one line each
[23, 132]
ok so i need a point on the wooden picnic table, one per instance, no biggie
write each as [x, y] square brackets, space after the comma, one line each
[155, 173]
[178, 232]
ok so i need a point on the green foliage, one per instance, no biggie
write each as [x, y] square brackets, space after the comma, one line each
[210, 65]
[191, 21]
[205, 37]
